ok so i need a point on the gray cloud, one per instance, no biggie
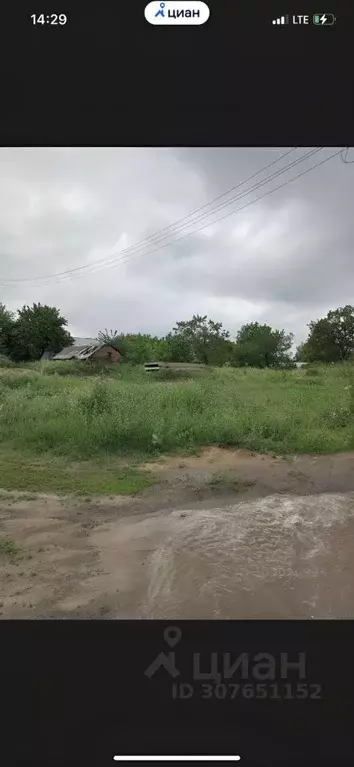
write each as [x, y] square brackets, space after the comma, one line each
[285, 260]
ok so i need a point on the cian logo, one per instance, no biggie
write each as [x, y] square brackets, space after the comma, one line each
[171, 635]
[183, 12]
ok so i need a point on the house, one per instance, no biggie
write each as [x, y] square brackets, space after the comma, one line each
[300, 364]
[86, 349]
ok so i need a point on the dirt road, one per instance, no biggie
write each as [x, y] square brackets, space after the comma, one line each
[227, 534]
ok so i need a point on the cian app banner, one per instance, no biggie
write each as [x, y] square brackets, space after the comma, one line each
[184, 12]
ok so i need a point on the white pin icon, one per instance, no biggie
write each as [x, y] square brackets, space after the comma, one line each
[172, 635]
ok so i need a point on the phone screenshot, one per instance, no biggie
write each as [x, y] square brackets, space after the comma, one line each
[177, 383]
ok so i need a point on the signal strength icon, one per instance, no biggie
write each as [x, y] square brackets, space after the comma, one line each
[281, 20]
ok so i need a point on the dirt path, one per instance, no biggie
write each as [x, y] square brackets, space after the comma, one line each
[226, 534]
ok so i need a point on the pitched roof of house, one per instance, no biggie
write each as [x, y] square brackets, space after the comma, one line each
[81, 349]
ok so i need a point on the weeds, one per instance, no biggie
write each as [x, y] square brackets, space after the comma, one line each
[97, 401]
[76, 417]
[165, 374]
[19, 471]
[10, 550]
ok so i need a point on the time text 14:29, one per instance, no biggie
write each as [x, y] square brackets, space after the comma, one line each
[49, 18]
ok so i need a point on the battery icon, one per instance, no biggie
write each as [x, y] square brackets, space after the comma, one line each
[324, 19]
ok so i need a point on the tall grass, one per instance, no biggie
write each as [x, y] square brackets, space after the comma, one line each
[140, 413]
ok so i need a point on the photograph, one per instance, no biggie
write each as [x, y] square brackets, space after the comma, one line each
[176, 383]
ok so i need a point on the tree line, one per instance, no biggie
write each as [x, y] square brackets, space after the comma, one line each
[24, 336]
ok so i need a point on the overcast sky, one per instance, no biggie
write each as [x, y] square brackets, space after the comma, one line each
[284, 260]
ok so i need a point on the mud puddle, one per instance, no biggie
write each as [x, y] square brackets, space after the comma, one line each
[270, 538]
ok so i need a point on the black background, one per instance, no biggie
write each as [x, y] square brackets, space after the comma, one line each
[75, 692]
[109, 77]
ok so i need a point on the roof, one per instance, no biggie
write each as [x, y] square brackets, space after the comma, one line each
[70, 351]
[81, 349]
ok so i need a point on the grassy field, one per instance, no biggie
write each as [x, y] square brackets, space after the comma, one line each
[51, 415]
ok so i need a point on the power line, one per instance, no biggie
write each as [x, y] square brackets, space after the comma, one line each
[159, 232]
[233, 212]
[230, 213]
[150, 240]
[98, 268]
[133, 248]
[219, 197]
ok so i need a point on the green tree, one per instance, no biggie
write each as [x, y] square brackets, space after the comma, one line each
[109, 337]
[260, 346]
[331, 339]
[36, 329]
[138, 348]
[179, 348]
[299, 354]
[199, 340]
[6, 328]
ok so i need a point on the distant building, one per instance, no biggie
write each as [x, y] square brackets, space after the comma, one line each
[300, 364]
[85, 349]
